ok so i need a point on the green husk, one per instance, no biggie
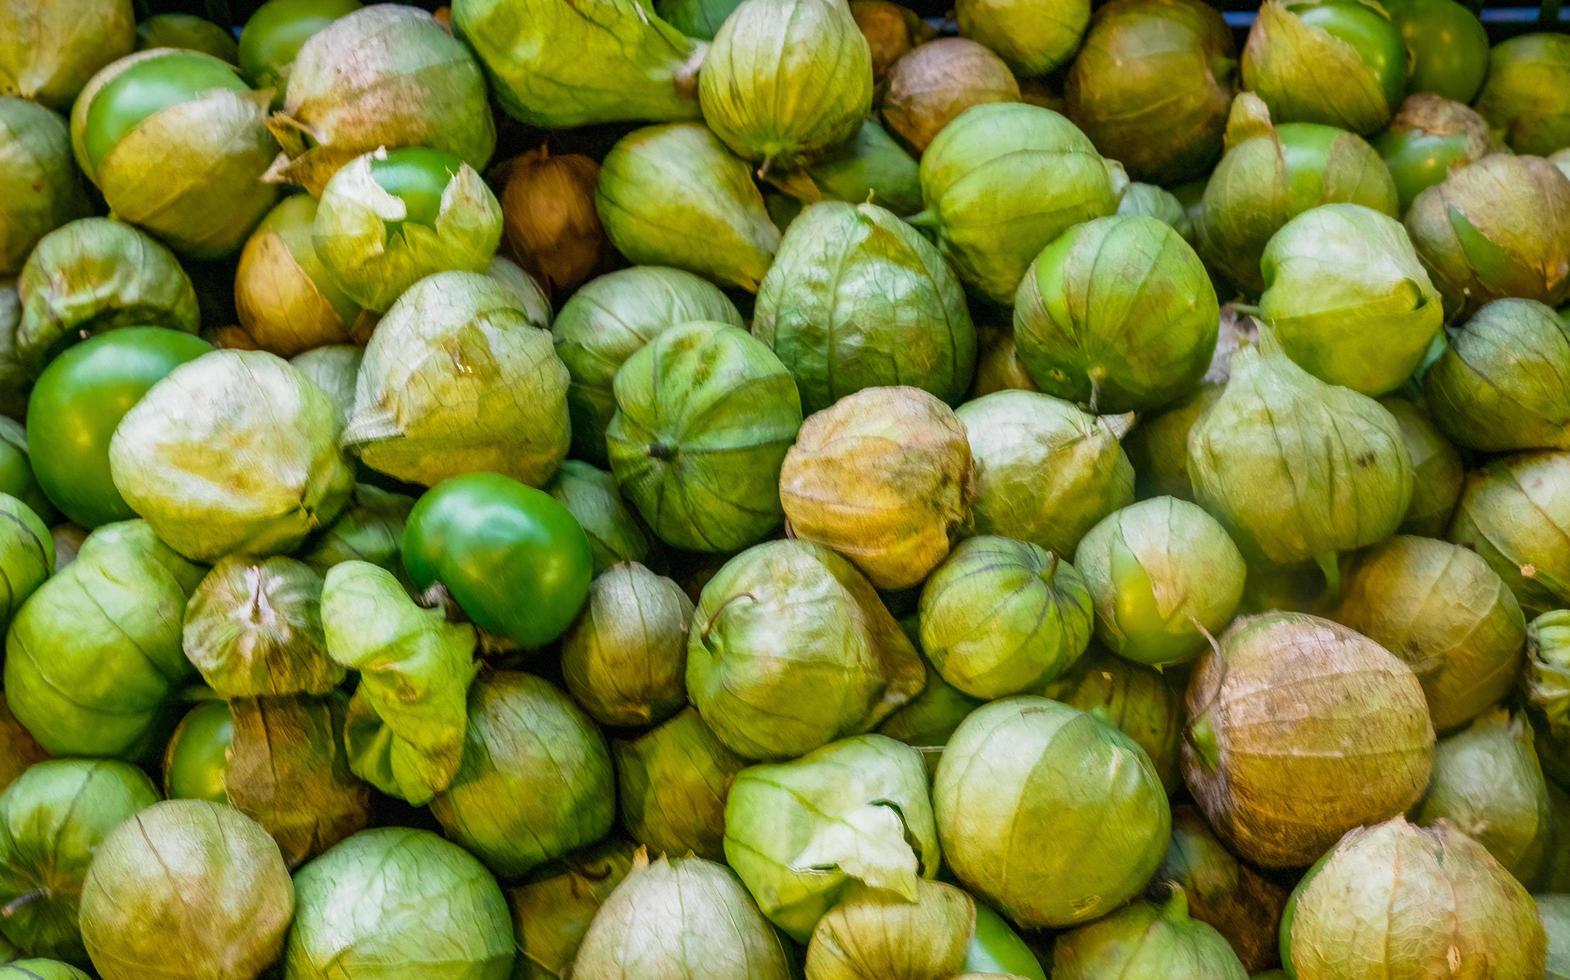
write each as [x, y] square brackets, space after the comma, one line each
[49, 51]
[1526, 95]
[870, 935]
[672, 782]
[1147, 939]
[39, 185]
[1142, 702]
[1307, 74]
[1242, 904]
[615, 533]
[1501, 383]
[625, 659]
[553, 906]
[1437, 470]
[1514, 512]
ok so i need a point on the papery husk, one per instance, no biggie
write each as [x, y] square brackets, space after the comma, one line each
[96, 274]
[555, 67]
[1514, 512]
[1157, 446]
[549, 218]
[871, 936]
[460, 377]
[997, 364]
[18, 749]
[1501, 383]
[1152, 84]
[937, 81]
[189, 33]
[27, 555]
[698, 19]
[1144, 938]
[1045, 471]
[38, 179]
[1242, 904]
[1306, 74]
[1072, 776]
[1428, 137]
[334, 368]
[1526, 96]
[1437, 470]
[1440, 608]
[289, 771]
[1496, 228]
[1412, 901]
[369, 528]
[856, 299]
[1142, 702]
[625, 658]
[684, 917]
[891, 30]
[1159, 203]
[1033, 37]
[674, 195]
[1553, 911]
[590, 495]
[884, 477]
[380, 77]
[1300, 730]
[554, 904]
[672, 782]
[15, 381]
[871, 167]
[789, 626]
[48, 51]
[929, 719]
[286, 300]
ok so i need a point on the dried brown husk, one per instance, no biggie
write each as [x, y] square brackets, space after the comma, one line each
[884, 477]
[891, 30]
[549, 219]
[937, 81]
[1242, 904]
[285, 300]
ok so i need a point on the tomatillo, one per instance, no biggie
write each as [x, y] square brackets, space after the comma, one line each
[416, 175]
[76, 405]
[1448, 46]
[276, 32]
[196, 764]
[996, 948]
[1369, 33]
[514, 559]
[147, 87]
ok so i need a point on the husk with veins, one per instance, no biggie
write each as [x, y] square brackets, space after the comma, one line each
[672, 782]
[27, 555]
[1515, 512]
[285, 300]
[385, 76]
[1301, 729]
[1142, 702]
[1503, 381]
[457, 378]
[49, 51]
[553, 905]
[374, 254]
[870, 935]
[853, 815]
[1437, 470]
[1242, 904]
[625, 658]
[589, 493]
[1144, 939]
[937, 81]
[40, 185]
[1306, 74]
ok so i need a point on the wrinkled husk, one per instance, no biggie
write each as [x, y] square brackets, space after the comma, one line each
[1147, 940]
[93, 275]
[387, 76]
[1428, 137]
[786, 80]
[39, 186]
[853, 815]
[930, 718]
[870, 166]
[549, 218]
[111, 690]
[14, 378]
[1143, 703]
[1157, 447]
[590, 495]
[1151, 201]
[680, 917]
[1306, 74]
[705, 415]
[1514, 512]
[1152, 84]
[891, 30]
[625, 658]
[288, 770]
[873, 936]
[884, 477]
[187, 32]
[369, 528]
[1347, 298]
[460, 376]
[937, 81]
[997, 364]
[1488, 784]
[856, 299]
[1242, 904]
[1441, 609]
[1046, 472]
[52, 819]
[374, 255]
[1297, 468]
[1001, 617]
[48, 51]
[286, 300]
[791, 648]
[1164, 576]
[1300, 730]
[190, 173]
[1000, 183]
[407, 719]
[1526, 96]
[394, 894]
[672, 783]
[335, 369]
[607, 320]
[552, 908]
[1402, 900]
[1083, 338]
[1270, 174]
[674, 195]
[1496, 228]
[1033, 36]
[27, 555]
[536, 778]
[186, 888]
[1437, 470]
[555, 66]
[254, 628]
[1546, 684]
[232, 453]
[1503, 381]
[16, 468]
[1073, 778]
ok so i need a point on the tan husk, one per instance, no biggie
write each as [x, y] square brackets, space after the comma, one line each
[549, 218]
[939, 80]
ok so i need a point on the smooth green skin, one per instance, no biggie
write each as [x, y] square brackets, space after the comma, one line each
[196, 765]
[80, 399]
[1419, 160]
[52, 818]
[996, 948]
[188, 32]
[416, 176]
[1448, 47]
[1374, 38]
[145, 88]
[516, 561]
[274, 34]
